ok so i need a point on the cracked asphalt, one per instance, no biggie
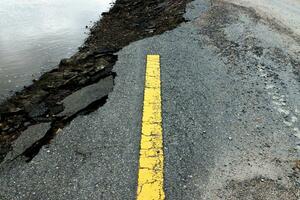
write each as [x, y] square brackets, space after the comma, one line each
[231, 110]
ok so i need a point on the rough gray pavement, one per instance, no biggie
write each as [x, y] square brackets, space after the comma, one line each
[231, 111]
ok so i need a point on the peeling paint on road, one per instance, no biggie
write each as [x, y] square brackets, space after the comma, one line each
[150, 177]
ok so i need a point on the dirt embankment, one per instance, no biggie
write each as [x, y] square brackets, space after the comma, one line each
[127, 21]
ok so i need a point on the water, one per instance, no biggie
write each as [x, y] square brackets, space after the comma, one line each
[36, 34]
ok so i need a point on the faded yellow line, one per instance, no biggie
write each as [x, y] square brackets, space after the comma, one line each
[151, 162]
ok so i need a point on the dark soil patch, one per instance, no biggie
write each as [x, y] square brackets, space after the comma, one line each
[127, 21]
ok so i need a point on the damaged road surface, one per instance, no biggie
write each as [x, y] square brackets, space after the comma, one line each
[230, 107]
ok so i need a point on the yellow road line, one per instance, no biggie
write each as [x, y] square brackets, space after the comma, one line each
[151, 163]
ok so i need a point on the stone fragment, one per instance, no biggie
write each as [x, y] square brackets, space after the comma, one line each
[27, 139]
[85, 96]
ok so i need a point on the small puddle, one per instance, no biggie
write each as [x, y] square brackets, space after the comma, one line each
[36, 34]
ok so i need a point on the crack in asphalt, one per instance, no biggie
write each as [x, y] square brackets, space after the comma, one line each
[58, 125]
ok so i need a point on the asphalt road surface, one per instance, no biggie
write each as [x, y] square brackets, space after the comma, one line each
[230, 110]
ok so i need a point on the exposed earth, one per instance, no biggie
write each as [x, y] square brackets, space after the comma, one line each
[230, 99]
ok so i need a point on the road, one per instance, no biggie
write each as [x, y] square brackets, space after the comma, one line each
[285, 12]
[230, 97]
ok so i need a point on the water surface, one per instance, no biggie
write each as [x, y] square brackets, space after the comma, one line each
[36, 34]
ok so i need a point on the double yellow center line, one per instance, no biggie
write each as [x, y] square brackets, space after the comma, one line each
[151, 162]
